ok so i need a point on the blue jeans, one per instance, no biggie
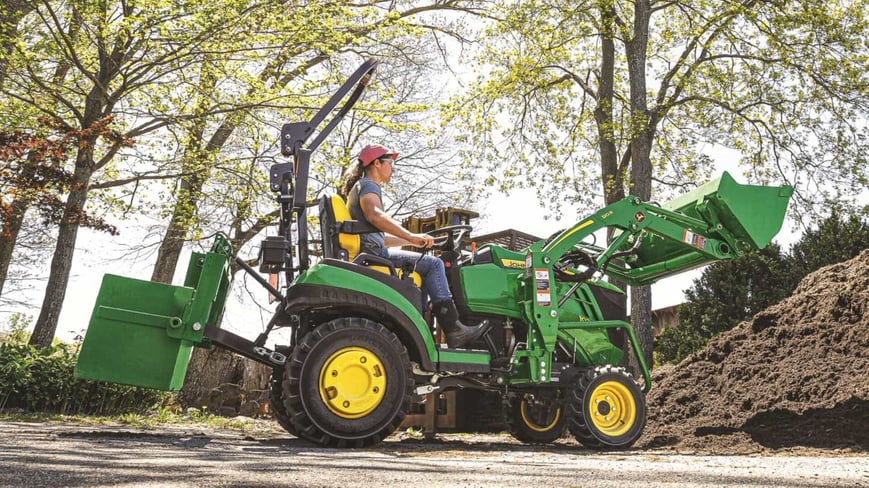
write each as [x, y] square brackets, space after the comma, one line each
[430, 269]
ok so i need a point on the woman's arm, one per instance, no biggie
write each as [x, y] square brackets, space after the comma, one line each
[400, 236]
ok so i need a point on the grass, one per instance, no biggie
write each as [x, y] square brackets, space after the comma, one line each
[155, 418]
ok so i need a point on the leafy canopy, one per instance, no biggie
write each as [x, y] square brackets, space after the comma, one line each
[782, 82]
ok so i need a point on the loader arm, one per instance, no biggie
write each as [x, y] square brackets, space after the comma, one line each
[720, 220]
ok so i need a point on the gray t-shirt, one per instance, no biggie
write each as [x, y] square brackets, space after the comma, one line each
[371, 242]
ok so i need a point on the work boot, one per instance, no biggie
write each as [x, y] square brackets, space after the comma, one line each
[457, 333]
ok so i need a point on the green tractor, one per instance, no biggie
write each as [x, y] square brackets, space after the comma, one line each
[361, 350]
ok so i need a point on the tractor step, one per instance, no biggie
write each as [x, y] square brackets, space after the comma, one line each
[466, 361]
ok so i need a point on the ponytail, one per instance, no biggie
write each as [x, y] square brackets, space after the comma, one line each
[350, 178]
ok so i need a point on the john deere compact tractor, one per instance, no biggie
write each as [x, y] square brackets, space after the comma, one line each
[361, 350]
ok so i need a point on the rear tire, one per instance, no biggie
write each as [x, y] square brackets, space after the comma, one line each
[607, 409]
[276, 398]
[537, 417]
[348, 383]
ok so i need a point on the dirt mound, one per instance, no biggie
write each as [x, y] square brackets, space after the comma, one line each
[796, 375]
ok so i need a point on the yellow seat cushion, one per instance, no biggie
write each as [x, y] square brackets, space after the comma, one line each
[349, 242]
[352, 243]
[417, 279]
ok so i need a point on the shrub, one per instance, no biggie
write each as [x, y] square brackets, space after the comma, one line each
[43, 380]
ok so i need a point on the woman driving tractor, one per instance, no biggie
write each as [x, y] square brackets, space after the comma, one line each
[364, 199]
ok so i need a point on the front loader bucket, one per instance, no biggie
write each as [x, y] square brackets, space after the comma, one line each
[719, 220]
[751, 214]
[141, 333]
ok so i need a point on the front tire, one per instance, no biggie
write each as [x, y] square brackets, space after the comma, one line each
[536, 417]
[348, 383]
[607, 409]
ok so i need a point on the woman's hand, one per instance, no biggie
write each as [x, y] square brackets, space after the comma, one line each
[421, 240]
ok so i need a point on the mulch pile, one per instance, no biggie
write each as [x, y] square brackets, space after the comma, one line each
[794, 376]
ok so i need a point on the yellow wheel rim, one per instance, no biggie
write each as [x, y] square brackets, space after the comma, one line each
[612, 408]
[532, 424]
[352, 382]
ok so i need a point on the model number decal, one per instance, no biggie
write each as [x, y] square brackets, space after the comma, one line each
[513, 263]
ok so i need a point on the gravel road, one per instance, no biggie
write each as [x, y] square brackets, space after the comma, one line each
[54, 455]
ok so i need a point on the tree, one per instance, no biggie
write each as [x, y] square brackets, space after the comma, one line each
[32, 175]
[837, 238]
[730, 292]
[11, 13]
[296, 75]
[84, 62]
[579, 99]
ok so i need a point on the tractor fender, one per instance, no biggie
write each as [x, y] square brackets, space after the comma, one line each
[326, 302]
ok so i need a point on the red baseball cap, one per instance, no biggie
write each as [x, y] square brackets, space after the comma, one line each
[372, 152]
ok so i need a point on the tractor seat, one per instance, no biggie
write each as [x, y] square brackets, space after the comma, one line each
[341, 239]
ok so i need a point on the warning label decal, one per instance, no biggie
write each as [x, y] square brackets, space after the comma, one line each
[694, 240]
[541, 278]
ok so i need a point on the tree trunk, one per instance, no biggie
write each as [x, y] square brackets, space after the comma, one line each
[211, 368]
[641, 296]
[8, 237]
[186, 200]
[10, 14]
[642, 132]
[611, 174]
[95, 104]
[195, 170]
[61, 263]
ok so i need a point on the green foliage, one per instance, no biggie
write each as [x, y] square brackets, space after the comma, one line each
[730, 292]
[564, 96]
[837, 239]
[16, 329]
[43, 380]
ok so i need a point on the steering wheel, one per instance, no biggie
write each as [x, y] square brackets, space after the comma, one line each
[450, 237]
[567, 268]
